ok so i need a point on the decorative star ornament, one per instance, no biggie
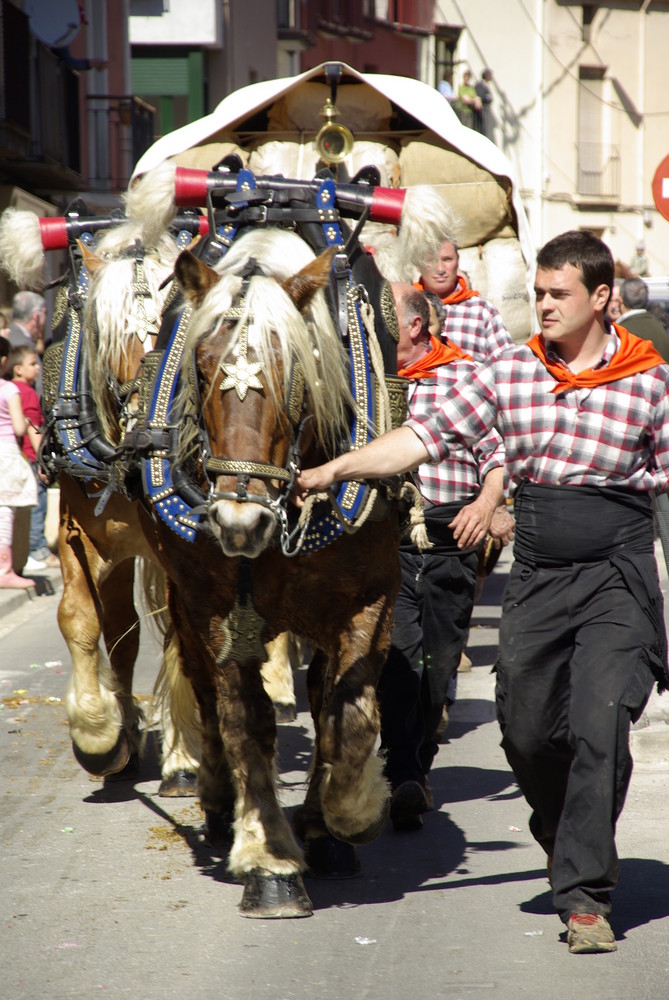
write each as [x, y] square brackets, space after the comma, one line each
[241, 377]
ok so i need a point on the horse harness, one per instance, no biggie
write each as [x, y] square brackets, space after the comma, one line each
[142, 465]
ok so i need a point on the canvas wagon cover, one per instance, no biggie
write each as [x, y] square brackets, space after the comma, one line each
[409, 132]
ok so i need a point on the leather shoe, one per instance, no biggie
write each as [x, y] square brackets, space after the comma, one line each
[407, 802]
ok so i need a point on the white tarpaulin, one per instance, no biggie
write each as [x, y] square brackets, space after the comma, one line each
[483, 188]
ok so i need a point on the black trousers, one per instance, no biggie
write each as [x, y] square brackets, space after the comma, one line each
[572, 674]
[432, 615]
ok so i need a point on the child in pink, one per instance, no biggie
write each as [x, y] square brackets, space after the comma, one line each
[17, 482]
[23, 367]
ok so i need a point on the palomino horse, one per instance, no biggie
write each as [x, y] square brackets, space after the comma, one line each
[99, 539]
[269, 376]
[99, 542]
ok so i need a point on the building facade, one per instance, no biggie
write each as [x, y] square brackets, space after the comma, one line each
[580, 109]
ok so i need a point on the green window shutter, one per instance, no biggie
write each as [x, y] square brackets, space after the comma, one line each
[162, 75]
[195, 95]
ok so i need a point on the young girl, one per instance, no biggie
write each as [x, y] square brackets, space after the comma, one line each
[23, 368]
[17, 482]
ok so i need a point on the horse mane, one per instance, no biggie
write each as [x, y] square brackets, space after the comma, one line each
[271, 315]
[110, 312]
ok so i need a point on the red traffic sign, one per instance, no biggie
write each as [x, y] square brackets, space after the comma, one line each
[661, 188]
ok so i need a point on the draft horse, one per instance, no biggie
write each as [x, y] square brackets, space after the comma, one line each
[100, 536]
[270, 382]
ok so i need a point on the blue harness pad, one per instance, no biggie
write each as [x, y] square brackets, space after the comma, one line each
[157, 468]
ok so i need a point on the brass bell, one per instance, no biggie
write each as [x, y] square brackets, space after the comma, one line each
[334, 142]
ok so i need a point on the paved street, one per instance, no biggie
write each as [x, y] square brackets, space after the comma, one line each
[111, 892]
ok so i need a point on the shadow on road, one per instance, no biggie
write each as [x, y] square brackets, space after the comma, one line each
[641, 897]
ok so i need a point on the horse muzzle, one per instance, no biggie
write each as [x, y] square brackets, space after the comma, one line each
[243, 528]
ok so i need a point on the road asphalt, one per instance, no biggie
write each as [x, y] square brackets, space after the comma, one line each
[651, 733]
[107, 887]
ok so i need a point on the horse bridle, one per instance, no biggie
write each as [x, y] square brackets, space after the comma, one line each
[245, 470]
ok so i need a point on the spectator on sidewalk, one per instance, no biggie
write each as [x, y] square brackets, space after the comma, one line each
[23, 368]
[17, 483]
[638, 320]
[28, 325]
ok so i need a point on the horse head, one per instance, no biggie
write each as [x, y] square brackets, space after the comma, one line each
[271, 378]
[122, 311]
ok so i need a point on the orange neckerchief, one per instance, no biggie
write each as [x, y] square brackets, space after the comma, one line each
[459, 293]
[634, 355]
[440, 353]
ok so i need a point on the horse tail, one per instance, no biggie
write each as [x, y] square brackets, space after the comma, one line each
[153, 586]
[179, 713]
[150, 200]
[173, 699]
[427, 220]
[22, 255]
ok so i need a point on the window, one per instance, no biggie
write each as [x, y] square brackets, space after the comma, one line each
[598, 158]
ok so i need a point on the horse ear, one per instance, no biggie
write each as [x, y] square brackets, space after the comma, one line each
[91, 260]
[303, 286]
[194, 277]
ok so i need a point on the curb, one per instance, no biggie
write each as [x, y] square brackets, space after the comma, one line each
[13, 600]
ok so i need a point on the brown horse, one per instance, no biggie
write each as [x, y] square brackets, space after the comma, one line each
[271, 381]
[99, 544]
[98, 547]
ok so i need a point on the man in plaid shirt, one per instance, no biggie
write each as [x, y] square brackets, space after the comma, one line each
[434, 606]
[583, 409]
[471, 322]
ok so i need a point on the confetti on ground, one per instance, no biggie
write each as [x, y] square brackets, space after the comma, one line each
[53, 663]
[365, 940]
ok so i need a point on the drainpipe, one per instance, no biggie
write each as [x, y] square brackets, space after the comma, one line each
[228, 47]
[640, 142]
[542, 124]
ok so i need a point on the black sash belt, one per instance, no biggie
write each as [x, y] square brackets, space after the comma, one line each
[562, 525]
[437, 518]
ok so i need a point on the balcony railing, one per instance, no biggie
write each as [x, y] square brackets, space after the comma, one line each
[39, 107]
[598, 170]
[121, 127]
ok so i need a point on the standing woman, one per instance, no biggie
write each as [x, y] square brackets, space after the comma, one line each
[17, 482]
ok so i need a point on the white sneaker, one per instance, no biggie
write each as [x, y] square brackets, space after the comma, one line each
[32, 564]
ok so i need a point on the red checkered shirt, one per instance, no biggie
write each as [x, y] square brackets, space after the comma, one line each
[459, 477]
[477, 328]
[615, 435]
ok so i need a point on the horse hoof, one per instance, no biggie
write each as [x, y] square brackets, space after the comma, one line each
[128, 773]
[327, 857]
[103, 764]
[284, 713]
[268, 896]
[218, 832]
[178, 785]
